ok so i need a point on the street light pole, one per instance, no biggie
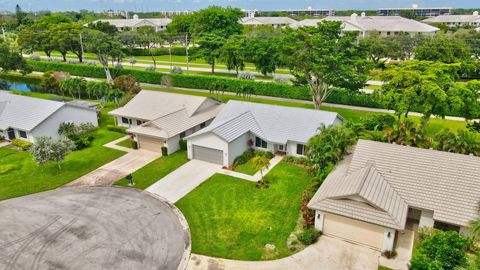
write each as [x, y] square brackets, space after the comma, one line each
[186, 49]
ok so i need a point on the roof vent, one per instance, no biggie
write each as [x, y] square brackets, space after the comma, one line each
[135, 17]
[475, 13]
[362, 14]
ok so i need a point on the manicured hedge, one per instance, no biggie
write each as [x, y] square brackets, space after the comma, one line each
[211, 83]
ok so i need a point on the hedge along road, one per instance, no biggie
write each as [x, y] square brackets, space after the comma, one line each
[92, 228]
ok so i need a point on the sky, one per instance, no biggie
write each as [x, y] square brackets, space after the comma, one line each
[155, 5]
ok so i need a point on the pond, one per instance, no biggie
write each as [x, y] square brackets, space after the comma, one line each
[20, 84]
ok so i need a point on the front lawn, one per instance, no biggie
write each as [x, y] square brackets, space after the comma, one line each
[231, 218]
[21, 176]
[156, 170]
[246, 168]
[126, 143]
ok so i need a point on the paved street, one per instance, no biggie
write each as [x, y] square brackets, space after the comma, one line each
[92, 228]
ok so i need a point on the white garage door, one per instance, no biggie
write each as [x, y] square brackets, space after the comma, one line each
[208, 154]
[149, 143]
[353, 230]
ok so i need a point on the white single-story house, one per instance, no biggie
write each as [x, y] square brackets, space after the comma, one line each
[384, 25]
[456, 20]
[272, 21]
[160, 24]
[27, 118]
[383, 189]
[158, 119]
[243, 125]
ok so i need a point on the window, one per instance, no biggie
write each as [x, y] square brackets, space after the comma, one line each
[203, 125]
[260, 143]
[300, 149]
[139, 122]
[22, 134]
[125, 120]
[183, 135]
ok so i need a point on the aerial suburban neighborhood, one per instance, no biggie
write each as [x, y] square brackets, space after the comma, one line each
[229, 135]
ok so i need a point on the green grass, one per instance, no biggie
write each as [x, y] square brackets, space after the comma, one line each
[22, 176]
[246, 168]
[434, 125]
[231, 218]
[125, 143]
[156, 170]
[384, 268]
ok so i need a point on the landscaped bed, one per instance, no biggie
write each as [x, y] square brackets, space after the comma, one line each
[128, 143]
[231, 218]
[156, 170]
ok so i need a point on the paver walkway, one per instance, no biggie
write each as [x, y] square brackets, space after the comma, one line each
[183, 180]
[5, 143]
[118, 168]
[328, 254]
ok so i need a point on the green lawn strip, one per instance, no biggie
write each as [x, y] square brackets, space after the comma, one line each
[434, 125]
[156, 170]
[384, 268]
[246, 168]
[372, 87]
[125, 143]
[23, 176]
[231, 218]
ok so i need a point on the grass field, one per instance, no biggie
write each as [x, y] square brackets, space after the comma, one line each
[126, 143]
[231, 218]
[19, 175]
[246, 168]
[156, 170]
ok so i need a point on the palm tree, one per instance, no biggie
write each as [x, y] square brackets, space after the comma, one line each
[261, 163]
[475, 225]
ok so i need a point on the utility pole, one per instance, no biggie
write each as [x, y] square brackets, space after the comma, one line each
[186, 49]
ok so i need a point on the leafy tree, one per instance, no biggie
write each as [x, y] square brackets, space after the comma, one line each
[405, 132]
[209, 46]
[471, 38]
[418, 84]
[465, 99]
[329, 146]
[264, 53]
[233, 53]
[66, 37]
[98, 89]
[74, 87]
[150, 39]
[216, 20]
[115, 95]
[129, 40]
[11, 60]
[51, 80]
[325, 58]
[440, 250]
[46, 150]
[128, 84]
[261, 163]
[104, 27]
[181, 24]
[378, 48]
[105, 47]
[404, 45]
[443, 49]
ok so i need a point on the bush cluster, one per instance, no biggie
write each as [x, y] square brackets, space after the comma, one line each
[21, 144]
[81, 135]
[183, 145]
[117, 129]
[309, 236]
[296, 160]
[379, 122]
[251, 153]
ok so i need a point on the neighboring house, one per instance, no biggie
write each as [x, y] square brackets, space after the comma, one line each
[384, 189]
[158, 119]
[243, 125]
[272, 21]
[135, 23]
[456, 20]
[28, 118]
[384, 25]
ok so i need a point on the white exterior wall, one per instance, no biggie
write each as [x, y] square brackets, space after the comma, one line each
[209, 140]
[69, 114]
[319, 220]
[173, 144]
[292, 148]
[237, 147]
[388, 239]
[426, 219]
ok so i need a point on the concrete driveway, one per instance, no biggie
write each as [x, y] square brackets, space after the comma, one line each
[327, 254]
[92, 228]
[183, 180]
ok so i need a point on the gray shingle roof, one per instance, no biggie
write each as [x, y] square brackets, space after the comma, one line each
[273, 123]
[446, 183]
[24, 113]
[374, 23]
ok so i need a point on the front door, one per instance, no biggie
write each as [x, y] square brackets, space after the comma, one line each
[11, 134]
[282, 148]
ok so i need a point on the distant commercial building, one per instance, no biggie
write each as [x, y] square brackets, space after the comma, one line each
[125, 24]
[384, 25]
[272, 21]
[310, 12]
[115, 13]
[4, 12]
[169, 13]
[456, 20]
[419, 11]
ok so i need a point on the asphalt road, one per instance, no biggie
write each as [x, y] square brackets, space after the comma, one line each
[92, 228]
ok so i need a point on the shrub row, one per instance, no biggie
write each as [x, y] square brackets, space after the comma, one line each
[21, 144]
[338, 96]
[180, 51]
[118, 129]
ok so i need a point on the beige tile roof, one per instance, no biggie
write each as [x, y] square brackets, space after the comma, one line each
[446, 183]
[267, 20]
